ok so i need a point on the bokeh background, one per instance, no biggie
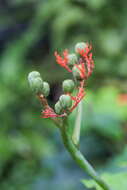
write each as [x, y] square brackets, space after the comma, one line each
[32, 155]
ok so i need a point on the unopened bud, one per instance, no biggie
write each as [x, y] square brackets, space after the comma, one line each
[72, 59]
[36, 85]
[58, 108]
[65, 101]
[80, 46]
[46, 89]
[33, 74]
[68, 86]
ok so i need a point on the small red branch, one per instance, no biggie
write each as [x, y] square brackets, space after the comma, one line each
[49, 113]
[87, 56]
[63, 61]
[80, 95]
[82, 70]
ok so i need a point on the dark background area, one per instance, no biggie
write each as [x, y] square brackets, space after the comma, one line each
[32, 155]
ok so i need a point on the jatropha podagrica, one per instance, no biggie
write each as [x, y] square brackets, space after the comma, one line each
[81, 65]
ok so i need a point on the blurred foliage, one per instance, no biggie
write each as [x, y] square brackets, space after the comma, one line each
[31, 153]
[116, 179]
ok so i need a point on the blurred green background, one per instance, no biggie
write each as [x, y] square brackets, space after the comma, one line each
[32, 156]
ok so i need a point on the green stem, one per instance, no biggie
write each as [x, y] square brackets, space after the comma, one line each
[76, 131]
[80, 159]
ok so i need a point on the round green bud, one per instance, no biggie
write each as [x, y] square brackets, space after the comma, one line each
[46, 89]
[58, 108]
[36, 85]
[65, 101]
[68, 86]
[76, 73]
[33, 74]
[80, 46]
[72, 59]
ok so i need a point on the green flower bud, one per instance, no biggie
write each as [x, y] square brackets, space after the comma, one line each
[46, 89]
[65, 101]
[80, 46]
[58, 108]
[36, 85]
[68, 85]
[33, 74]
[72, 59]
[76, 73]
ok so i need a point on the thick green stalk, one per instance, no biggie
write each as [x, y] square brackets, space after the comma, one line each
[79, 158]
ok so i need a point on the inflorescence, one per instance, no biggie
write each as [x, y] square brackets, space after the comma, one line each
[81, 65]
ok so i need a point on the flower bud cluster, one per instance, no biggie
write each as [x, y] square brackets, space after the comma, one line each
[37, 85]
[65, 101]
[80, 64]
[63, 104]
